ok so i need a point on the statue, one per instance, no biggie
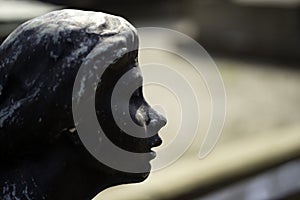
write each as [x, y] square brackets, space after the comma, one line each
[42, 156]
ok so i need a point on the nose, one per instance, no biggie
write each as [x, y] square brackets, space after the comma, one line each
[157, 120]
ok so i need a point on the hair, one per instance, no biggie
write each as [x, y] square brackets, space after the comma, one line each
[38, 65]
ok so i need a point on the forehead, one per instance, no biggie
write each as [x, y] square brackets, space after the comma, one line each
[132, 78]
[136, 74]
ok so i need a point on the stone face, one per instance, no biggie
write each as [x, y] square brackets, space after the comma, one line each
[38, 65]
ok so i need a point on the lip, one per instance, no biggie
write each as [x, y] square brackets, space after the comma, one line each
[155, 141]
[152, 155]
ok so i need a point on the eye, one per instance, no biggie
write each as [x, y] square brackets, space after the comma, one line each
[138, 93]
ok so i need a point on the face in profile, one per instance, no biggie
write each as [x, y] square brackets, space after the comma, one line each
[142, 135]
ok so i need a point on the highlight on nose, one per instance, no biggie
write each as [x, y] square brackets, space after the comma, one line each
[157, 120]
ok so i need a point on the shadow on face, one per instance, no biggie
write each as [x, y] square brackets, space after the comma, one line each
[141, 113]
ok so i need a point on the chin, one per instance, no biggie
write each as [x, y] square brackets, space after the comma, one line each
[134, 177]
[126, 177]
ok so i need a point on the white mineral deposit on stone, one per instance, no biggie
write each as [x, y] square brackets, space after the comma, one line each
[25, 192]
[81, 89]
[9, 192]
[8, 112]
[34, 183]
[17, 52]
[13, 192]
[52, 55]
[121, 52]
[83, 49]
[29, 83]
[31, 97]
[55, 87]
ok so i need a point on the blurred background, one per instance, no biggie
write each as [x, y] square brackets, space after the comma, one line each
[256, 46]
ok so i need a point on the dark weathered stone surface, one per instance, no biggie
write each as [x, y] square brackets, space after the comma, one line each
[38, 65]
[40, 157]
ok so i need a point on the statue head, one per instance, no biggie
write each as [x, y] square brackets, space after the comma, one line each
[39, 64]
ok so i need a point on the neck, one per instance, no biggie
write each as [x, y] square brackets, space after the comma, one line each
[65, 173]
